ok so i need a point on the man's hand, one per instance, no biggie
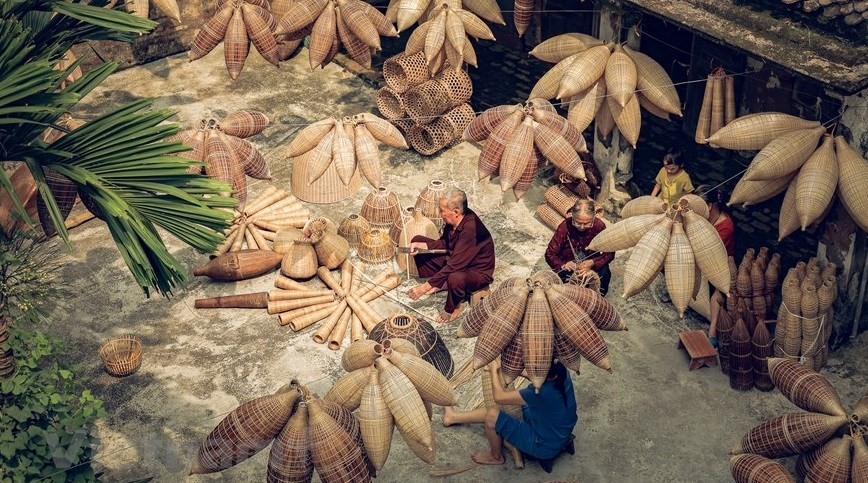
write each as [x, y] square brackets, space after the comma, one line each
[420, 290]
[416, 246]
[585, 266]
[569, 267]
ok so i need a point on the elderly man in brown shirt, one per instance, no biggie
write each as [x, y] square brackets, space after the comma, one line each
[468, 264]
[567, 251]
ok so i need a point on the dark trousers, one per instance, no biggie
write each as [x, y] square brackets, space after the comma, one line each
[459, 285]
[605, 277]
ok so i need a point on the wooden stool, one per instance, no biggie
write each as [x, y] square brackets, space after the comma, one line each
[698, 348]
[477, 296]
[547, 464]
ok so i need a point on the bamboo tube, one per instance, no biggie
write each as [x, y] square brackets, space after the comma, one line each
[322, 334]
[337, 336]
[269, 196]
[287, 283]
[276, 295]
[257, 236]
[248, 238]
[358, 274]
[326, 276]
[257, 300]
[277, 206]
[304, 321]
[277, 223]
[286, 212]
[370, 310]
[230, 237]
[346, 275]
[368, 320]
[280, 306]
[239, 238]
[377, 280]
[390, 284]
[717, 106]
[729, 98]
[357, 330]
[268, 235]
[286, 317]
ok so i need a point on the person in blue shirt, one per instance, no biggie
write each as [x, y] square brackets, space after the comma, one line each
[548, 417]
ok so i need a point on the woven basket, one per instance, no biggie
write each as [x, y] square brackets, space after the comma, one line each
[651, 108]
[558, 150]
[549, 216]
[459, 118]
[300, 260]
[851, 182]
[427, 341]
[559, 125]
[482, 126]
[647, 258]
[789, 434]
[753, 192]
[708, 249]
[816, 183]
[560, 199]
[620, 75]
[654, 82]
[784, 154]
[398, 225]
[240, 265]
[65, 194]
[516, 154]
[860, 460]
[352, 228]
[479, 314]
[335, 452]
[328, 188]
[805, 388]
[833, 460]
[375, 247]
[697, 204]
[717, 104]
[724, 334]
[643, 205]
[380, 208]
[459, 87]
[763, 348]
[244, 123]
[428, 201]
[492, 150]
[512, 359]
[703, 122]
[427, 139]
[501, 326]
[121, 355]
[583, 107]
[236, 44]
[625, 233]
[559, 47]
[347, 391]
[740, 358]
[331, 249]
[390, 104]
[428, 381]
[578, 329]
[537, 334]
[245, 431]
[375, 421]
[407, 407]
[402, 72]
[752, 468]
[729, 99]
[426, 101]
[583, 72]
[679, 269]
[755, 131]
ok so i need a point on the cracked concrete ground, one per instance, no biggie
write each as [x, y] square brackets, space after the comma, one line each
[650, 420]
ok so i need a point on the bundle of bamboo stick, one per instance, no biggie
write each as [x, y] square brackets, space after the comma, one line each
[256, 226]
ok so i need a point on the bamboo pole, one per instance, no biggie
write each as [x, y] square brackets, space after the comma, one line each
[326, 276]
[257, 300]
[248, 238]
[257, 236]
[230, 237]
[322, 334]
[357, 330]
[280, 306]
[298, 319]
[386, 286]
[308, 310]
[365, 313]
[268, 197]
[337, 336]
[268, 235]
[347, 275]
[239, 238]
[306, 321]
[276, 295]
[287, 283]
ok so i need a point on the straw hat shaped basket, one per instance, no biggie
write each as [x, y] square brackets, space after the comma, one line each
[328, 188]
[121, 355]
[422, 334]
[428, 201]
[375, 247]
[380, 208]
[352, 228]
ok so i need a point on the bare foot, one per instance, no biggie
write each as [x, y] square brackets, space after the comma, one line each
[457, 312]
[448, 417]
[485, 458]
[444, 317]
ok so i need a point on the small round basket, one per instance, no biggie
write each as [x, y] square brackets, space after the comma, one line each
[122, 355]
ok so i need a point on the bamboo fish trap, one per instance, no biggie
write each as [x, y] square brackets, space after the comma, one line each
[421, 333]
[257, 223]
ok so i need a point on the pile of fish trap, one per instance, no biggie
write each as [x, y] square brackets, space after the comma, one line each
[257, 224]
[391, 386]
[789, 159]
[718, 105]
[226, 154]
[345, 146]
[529, 321]
[444, 37]
[238, 24]
[829, 441]
[354, 24]
[806, 313]
[308, 434]
[560, 198]
[516, 139]
[140, 8]
[679, 239]
[753, 283]
[431, 111]
[604, 83]
[405, 13]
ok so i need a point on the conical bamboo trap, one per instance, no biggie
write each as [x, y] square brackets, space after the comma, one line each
[140, 8]
[352, 23]
[752, 468]
[257, 223]
[238, 24]
[822, 437]
[650, 232]
[756, 283]
[528, 322]
[345, 146]
[421, 334]
[514, 136]
[718, 105]
[597, 79]
[226, 154]
[428, 201]
[391, 384]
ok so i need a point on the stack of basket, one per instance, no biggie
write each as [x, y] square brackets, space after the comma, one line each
[561, 197]
[431, 112]
[806, 314]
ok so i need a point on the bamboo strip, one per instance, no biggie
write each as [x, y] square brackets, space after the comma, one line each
[239, 238]
[363, 312]
[258, 238]
[337, 336]
[307, 310]
[304, 321]
[347, 275]
[322, 334]
[276, 295]
[280, 306]
[357, 330]
[230, 237]
[358, 274]
[287, 283]
[326, 276]
[248, 238]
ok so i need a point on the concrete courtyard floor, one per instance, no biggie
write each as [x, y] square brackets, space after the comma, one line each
[649, 420]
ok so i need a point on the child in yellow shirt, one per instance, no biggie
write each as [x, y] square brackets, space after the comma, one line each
[672, 181]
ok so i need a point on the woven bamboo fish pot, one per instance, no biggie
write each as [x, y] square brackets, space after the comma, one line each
[427, 139]
[537, 334]
[628, 118]
[375, 421]
[300, 261]
[832, 460]
[758, 286]
[752, 468]
[647, 258]
[289, 458]
[245, 431]
[717, 104]
[331, 249]
[679, 269]
[402, 72]
[578, 328]
[620, 75]
[789, 434]
[784, 154]
[492, 150]
[805, 388]
[816, 183]
[482, 126]
[516, 154]
[512, 357]
[422, 334]
[335, 452]
[740, 358]
[426, 101]
[584, 71]
[755, 131]
[479, 313]
[724, 334]
[328, 188]
[432, 385]
[549, 216]
[347, 391]
[428, 201]
[352, 228]
[696, 204]
[625, 233]
[240, 265]
[375, 247]
[643, 205]
[703, 122]
[557, 48]
[708, 249]
[753, 192]
[380, 208]
[853, 174]
[763, 348]
[654, 83]
[398, 225]
[408, 409]
[417, 225]
[561, 199]
[500, 328]
[604, 315]
[390, 104]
